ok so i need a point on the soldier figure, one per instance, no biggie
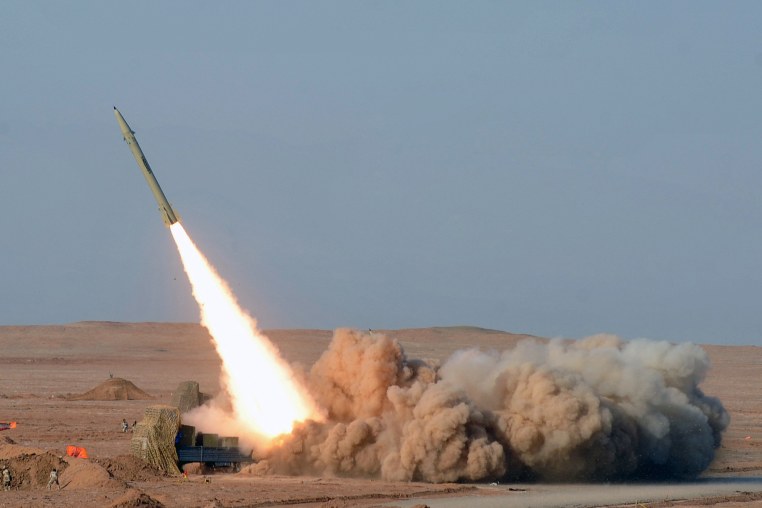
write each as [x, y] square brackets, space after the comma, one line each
[53, 479]
[6, 479]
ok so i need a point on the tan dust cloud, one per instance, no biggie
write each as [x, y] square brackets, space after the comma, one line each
[596, 409]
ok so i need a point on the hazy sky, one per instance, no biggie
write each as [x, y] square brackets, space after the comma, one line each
[559, 168]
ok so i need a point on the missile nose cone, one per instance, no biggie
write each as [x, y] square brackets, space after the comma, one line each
[122, 123]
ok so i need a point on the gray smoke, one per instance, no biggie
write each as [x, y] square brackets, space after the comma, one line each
[596, 409]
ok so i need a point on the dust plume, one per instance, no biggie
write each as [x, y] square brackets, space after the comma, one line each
[596, 409]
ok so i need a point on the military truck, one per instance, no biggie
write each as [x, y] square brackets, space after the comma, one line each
[209, 449]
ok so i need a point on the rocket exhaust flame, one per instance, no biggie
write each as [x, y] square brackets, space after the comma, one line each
[266, 399]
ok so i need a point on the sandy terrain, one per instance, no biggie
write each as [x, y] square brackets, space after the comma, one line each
[43, 366]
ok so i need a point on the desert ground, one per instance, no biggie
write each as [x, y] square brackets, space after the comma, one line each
[42, 367]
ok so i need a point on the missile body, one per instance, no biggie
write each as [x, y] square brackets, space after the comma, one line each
[167, 213]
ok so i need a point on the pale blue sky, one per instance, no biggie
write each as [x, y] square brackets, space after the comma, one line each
[553, 168]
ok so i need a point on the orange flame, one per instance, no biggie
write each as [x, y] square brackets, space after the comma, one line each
[265, 396]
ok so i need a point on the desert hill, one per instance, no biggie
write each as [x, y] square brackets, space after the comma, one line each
[113, 389]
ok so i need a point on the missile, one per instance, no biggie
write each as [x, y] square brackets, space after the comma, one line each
[167, 213]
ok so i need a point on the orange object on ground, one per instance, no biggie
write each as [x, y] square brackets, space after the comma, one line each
[76, 451]
[7, 425]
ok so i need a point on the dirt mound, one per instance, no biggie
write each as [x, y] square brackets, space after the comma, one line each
[30, 469]
[7, 440]
[113, 389]
[84, 474]
[195, 468]
[129, 468]
[134, 498]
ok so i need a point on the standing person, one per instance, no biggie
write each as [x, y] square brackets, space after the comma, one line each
[53, 479]
[125, 425]
[6, 479]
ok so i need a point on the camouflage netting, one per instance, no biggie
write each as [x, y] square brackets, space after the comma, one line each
[186, 396]
[153, 438]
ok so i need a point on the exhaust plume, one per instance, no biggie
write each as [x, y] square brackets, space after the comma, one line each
[264, 398]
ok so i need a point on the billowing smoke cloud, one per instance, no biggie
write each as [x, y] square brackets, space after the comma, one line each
[596, 409]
